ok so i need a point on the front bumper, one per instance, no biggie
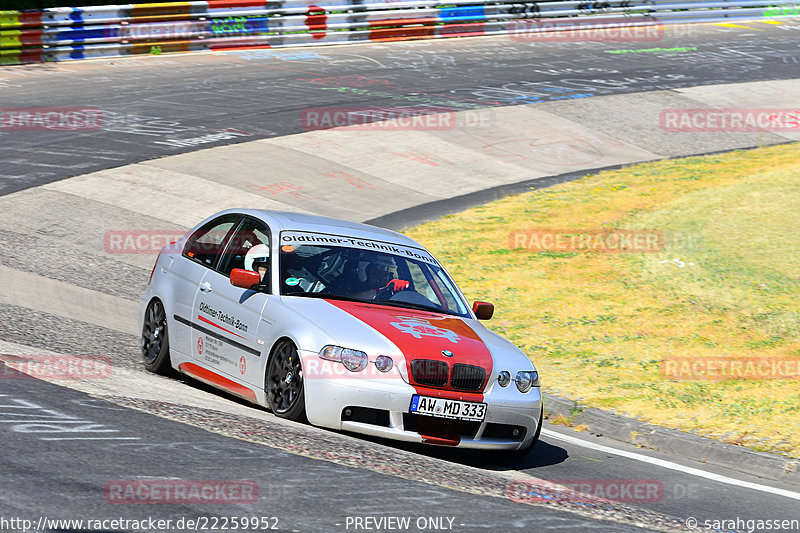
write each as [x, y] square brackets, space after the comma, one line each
[380, 407]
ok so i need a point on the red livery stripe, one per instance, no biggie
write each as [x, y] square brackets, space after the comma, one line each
[442, 439]
[423, 335]
[207, 321]
[213, 378]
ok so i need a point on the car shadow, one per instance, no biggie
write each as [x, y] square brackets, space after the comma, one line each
[543, 454]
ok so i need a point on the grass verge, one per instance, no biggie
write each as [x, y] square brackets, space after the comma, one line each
[600, 327]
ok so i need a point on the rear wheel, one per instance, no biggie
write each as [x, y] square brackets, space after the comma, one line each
[284, 384]
[155, 340]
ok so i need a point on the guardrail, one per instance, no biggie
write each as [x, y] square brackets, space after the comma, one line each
[61, 34]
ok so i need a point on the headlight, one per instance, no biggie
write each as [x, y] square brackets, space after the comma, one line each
[354, 360]
[527, 379]
[384, 363]
[331, 353]
[504, 378]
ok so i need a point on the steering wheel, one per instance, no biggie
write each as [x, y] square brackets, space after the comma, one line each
[394, 286]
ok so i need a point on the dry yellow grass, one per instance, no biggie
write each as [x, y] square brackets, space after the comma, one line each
[599, 325]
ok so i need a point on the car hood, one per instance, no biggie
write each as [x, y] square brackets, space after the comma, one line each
[412, 333]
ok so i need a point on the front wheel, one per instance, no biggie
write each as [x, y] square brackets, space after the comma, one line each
[284, 386]
[155, 340]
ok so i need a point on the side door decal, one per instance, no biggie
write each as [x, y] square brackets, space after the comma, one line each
[216, 335]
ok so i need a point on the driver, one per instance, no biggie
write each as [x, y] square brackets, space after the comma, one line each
[378, 277]
[257, 260]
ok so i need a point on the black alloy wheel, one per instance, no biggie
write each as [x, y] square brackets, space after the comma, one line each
[155, 340]
[284, 384]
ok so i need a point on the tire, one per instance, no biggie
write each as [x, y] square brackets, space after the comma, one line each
[284, 383]
[525, 451]
[155, 339]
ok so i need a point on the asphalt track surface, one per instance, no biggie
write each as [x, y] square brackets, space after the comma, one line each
[252, 94]
[312, 479]
[67, 478]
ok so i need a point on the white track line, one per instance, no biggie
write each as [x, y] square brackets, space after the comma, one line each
[670, 465]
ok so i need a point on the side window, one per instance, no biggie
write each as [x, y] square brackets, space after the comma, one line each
[205, 244]
[248, 248]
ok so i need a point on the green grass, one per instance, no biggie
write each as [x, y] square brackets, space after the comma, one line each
[598, 325]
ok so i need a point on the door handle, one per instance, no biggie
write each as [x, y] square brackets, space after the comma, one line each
[205, 286]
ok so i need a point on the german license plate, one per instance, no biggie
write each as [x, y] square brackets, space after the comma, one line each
[442, 408]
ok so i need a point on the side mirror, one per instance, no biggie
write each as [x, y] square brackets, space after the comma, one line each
[244, 278]
[483, 310]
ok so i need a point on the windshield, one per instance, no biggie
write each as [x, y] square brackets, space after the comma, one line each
[362, 270]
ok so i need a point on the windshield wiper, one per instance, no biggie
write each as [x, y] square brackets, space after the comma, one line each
[388, 303]
[407, 305]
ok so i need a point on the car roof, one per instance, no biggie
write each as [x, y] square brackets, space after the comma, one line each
[292, 221]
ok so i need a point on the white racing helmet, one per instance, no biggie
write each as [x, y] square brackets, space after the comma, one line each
[257, 256]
